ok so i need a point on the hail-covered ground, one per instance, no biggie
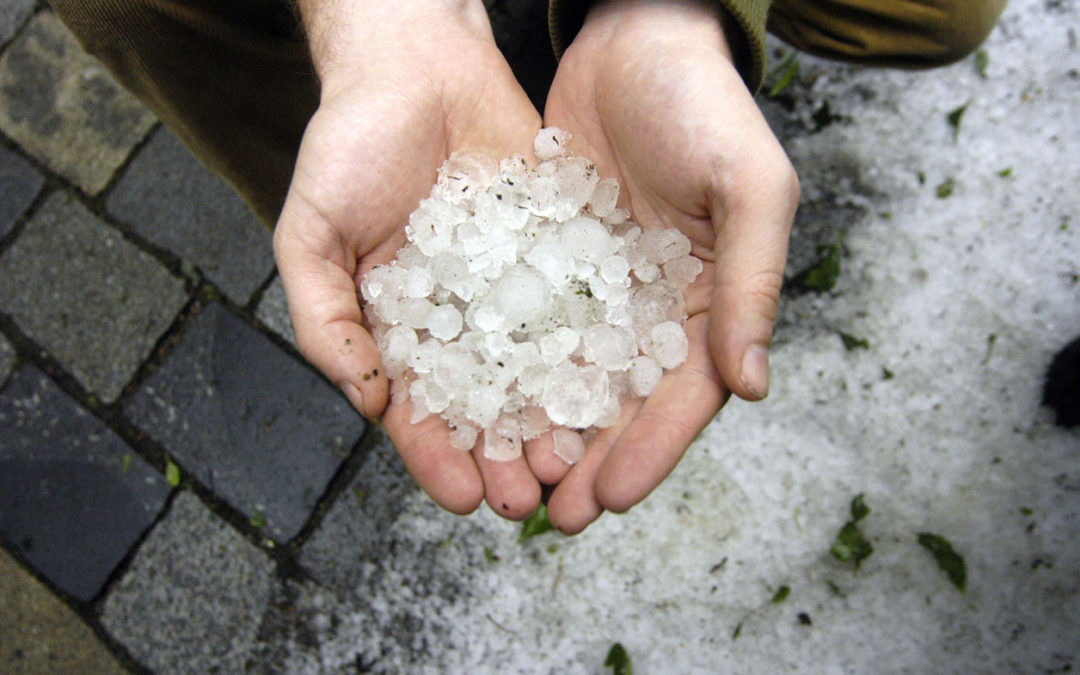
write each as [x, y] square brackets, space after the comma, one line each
[951, 201]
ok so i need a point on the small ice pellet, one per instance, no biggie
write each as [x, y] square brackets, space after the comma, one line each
[668, 345]
[645, 374]
[614, 269]
[604, 197]
[463, 437]
[569, 446]
[444, 322]
[550, 143]
[683, 270]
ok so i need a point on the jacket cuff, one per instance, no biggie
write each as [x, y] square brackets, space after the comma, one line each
[746, 32]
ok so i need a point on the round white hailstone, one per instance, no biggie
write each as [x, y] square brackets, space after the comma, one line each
[444, 322]
[574, 396]
[645, 374]
[525, 298]
[569, 446]
[667, 344]
[521, 296]
[463, 437]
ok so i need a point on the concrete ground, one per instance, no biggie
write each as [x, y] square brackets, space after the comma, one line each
[181, 493]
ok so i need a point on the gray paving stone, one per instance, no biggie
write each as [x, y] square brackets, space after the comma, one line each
[247, 420]
[7, 358]
[97, 303]
[19, 184]
[192, 600]
[12, 15]
[169, 198]
[73, 497]
[63, 107]
[40, 635]
[273, 311]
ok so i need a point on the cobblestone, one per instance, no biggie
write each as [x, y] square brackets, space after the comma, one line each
[73, 497]
[273, 311]
[102, 311]
[170, 199]
[7, 358]
[247, 420]
[19, 184]
[12, 14]
[63, 107]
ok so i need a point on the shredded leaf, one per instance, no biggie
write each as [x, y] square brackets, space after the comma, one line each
[947, 558]
[735, 633]
[822, 276]
[785, 73]
[258, 520]
[537, 523]
[172, 472]
[618, 660]
[886, 374]
[125, 464]
[1006, 172]
[489, 555]
[945, 188]
[850, 544]
[859, 509]
[982, 60]
[851, 343]
[781, 594]
[955, 116]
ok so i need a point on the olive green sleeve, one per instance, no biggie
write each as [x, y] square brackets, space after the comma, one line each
[746, 32]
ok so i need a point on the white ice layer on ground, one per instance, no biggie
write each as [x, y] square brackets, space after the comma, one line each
[962, 299]
[524, 296]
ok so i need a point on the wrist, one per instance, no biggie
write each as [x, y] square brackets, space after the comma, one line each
[351, 38]
[689, 23]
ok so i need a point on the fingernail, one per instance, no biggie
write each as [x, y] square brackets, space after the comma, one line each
[755, 370]
[354, 396]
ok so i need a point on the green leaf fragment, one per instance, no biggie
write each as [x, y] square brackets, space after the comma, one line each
[859, 509]
[786, 72]
[537, 523]
[822, 276]
[945, 188]
[735, 633]
[489, 555]
[781, 594]
[887, 374]
[125, 464]
[618, 660]
[1006, 172]
[258, 520]
[850, 544]
[172, 472]
[955, 116]
[947, 558]
[982, 60]
[1027, 511]
[851, 343]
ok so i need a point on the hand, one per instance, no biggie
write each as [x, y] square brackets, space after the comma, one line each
[403, 86]
[649, 92]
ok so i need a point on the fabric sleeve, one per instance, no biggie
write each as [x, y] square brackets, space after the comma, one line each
[746, 32]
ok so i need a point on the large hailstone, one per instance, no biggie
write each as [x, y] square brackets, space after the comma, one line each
[526, 298]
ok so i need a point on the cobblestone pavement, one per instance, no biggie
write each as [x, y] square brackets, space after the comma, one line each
[164, 450]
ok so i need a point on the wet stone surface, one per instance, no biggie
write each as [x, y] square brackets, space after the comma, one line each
[62, 106]
[192, 599]
[73, 497]
[169, 198]
[273, 311]
[19, 184]
[7, 358]
[12, 14]
[247, 420]
[100, 313]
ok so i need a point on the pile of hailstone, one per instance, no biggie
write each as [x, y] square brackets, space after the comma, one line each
[526, 297]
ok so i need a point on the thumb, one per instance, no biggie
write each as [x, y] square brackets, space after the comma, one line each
[318, 272]
[752, 218]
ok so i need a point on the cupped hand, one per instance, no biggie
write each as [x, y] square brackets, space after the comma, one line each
[649, 92]
[403, 86]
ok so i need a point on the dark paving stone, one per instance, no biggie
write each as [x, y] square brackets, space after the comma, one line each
[247, 420]
[169, 198]
[192, 600]
[12, 15]
[273, 311]
[102, 310]
[73, 497]
[64, 108]
[7, 358]
[40, 635]
[19, 184]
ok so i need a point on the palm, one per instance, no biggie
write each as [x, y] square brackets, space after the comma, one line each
[672, 121]
[368, 156]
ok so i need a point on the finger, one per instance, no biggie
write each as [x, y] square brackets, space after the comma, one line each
[752, 214]
[317, 272]
[573, 505]
[449, 476]
[548, 467]
[684, 402]
[510, 488]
